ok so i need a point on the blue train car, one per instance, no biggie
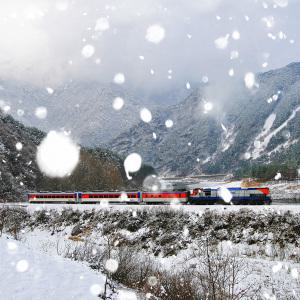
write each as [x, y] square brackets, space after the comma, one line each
[230, 195]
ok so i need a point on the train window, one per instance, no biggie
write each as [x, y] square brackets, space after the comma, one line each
[207, 192]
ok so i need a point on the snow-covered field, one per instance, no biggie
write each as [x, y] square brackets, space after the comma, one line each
[264, 239]
[32, 269]
[30, 273]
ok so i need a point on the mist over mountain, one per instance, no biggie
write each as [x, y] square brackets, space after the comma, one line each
[242, 126]
[84, 108]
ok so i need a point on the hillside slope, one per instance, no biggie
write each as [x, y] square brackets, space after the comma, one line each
[245, 126]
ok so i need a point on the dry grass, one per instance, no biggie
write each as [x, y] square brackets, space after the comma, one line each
[249, 182]
[76, 238]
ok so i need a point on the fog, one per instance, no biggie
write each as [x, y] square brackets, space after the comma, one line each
[42, 41]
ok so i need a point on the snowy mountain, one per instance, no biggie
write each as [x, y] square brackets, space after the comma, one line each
[220, 129]
[17, 168]
[84, 108]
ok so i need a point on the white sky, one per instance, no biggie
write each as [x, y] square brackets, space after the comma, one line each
[42, 40]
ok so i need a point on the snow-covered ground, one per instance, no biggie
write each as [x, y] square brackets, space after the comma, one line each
[169, 237]
[33, 269]
[37, 260]
[29, 274]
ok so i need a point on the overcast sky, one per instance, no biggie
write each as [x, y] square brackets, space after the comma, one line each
[42, 41]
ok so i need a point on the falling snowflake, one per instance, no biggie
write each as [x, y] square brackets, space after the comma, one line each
[272, 36]
[152, 72]
[111, 265]
[234, 54]
[145, 115]
[49, 90]
[231, 72]
[154, 135]
[269, 21]
[22, 265]
[95, 289]
[132, 164]
[235, 35]
[20, 112]
[88, 51]
[19, 146]
[152, 183]
[119, 78]
[155, 34]
[102, 24]
[204, 79]
[141, 57]
[282, 35]
[5, 108]
[124, 197]
[222, 42]
[249, 80]
[188, 85]
[118, 103]
[225, 194]
[277, 176]
[208, 106]
[57, 161]
[12, 246]
[169, 123]
[41, 112]
[247, 155]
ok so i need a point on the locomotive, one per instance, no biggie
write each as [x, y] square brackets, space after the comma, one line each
[237, 195]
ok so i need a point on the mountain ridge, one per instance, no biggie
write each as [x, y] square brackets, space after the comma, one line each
[226, 138]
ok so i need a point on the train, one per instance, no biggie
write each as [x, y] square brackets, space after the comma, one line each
[196, 196]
